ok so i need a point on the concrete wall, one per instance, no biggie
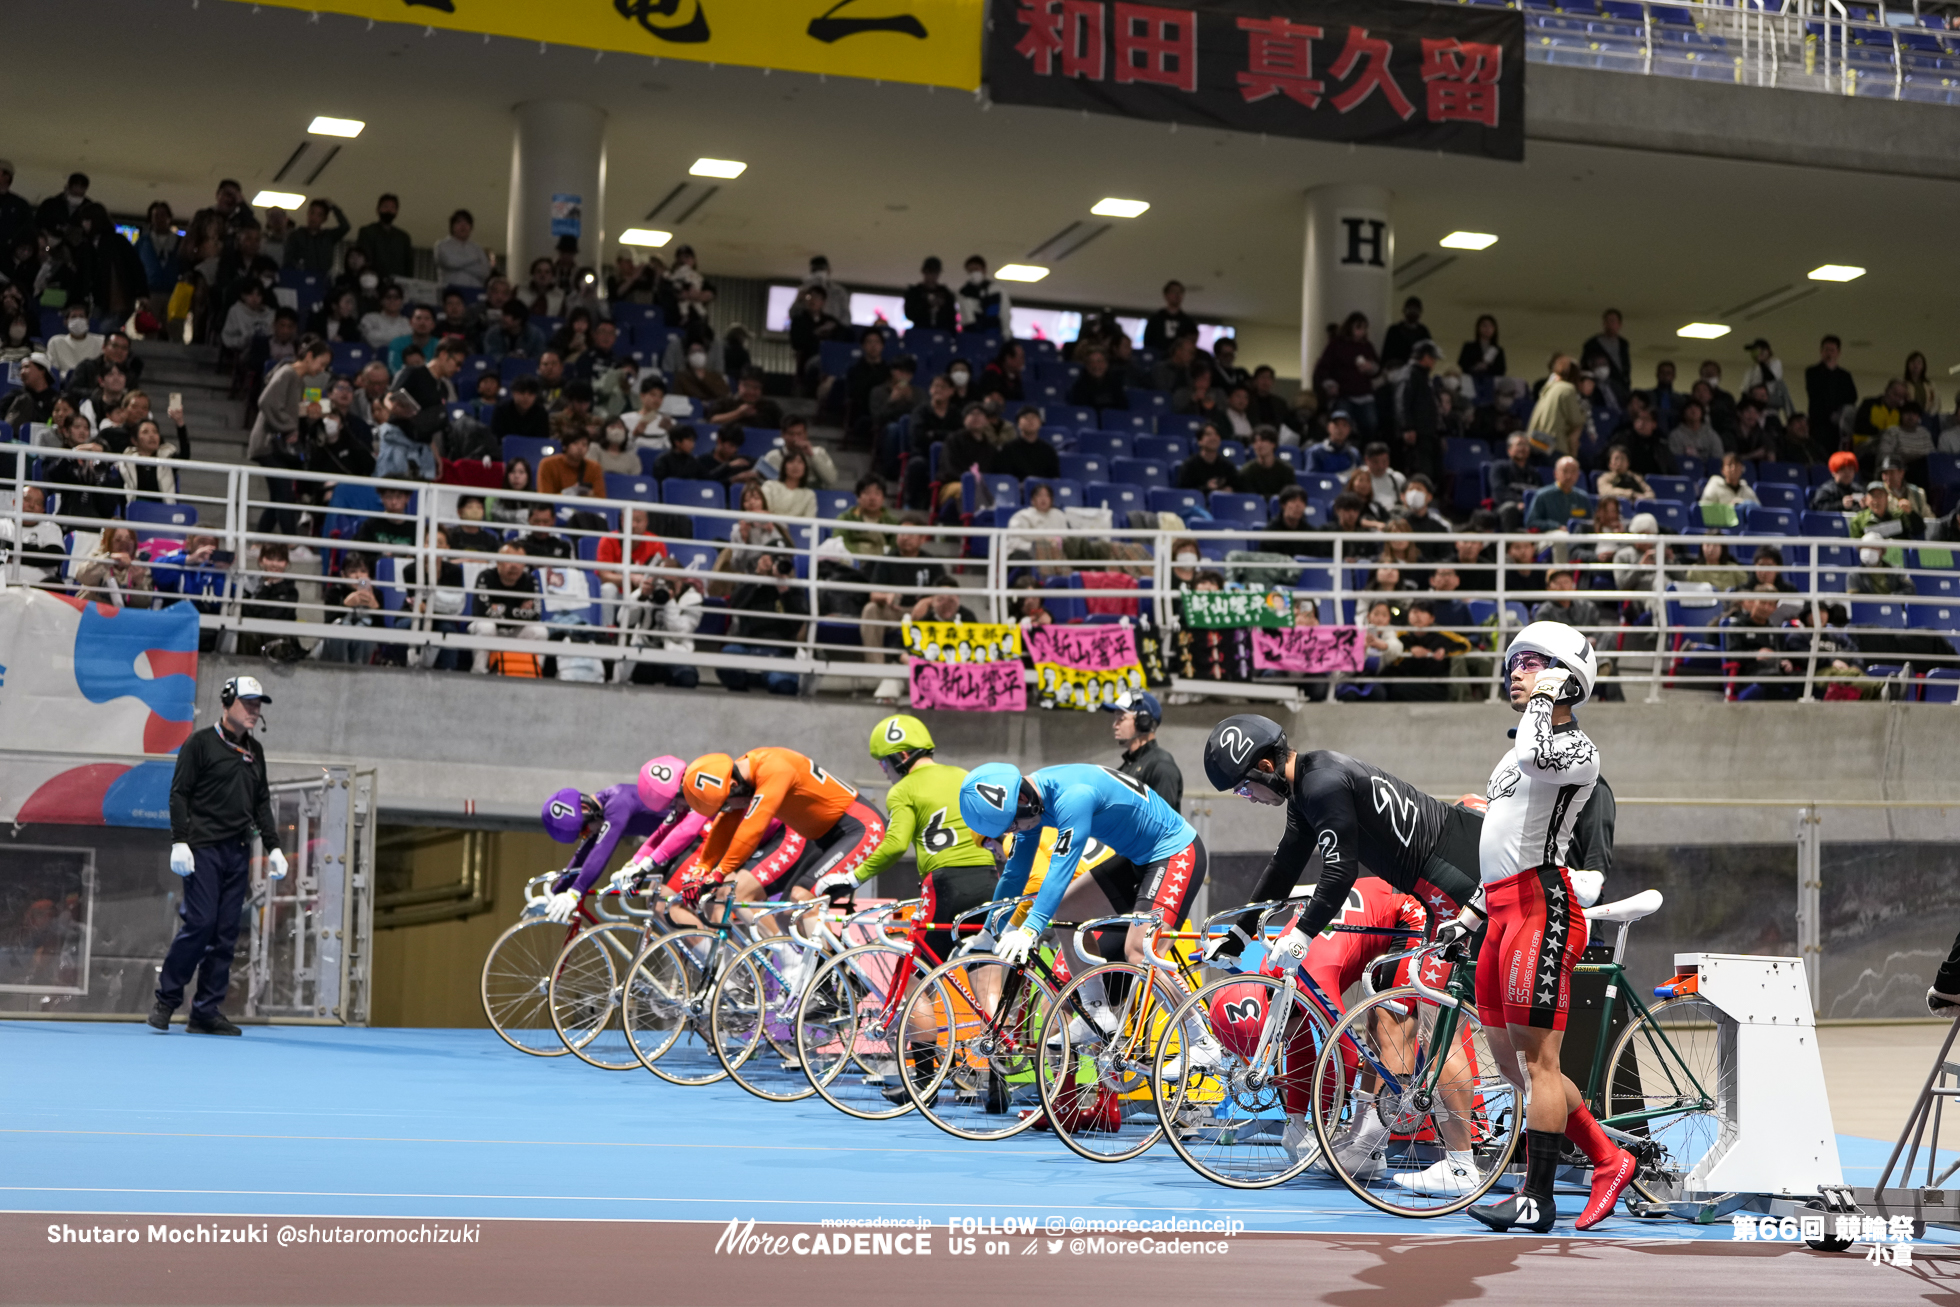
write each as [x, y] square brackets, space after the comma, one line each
[443, 742]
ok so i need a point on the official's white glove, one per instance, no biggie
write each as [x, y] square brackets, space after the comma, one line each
[181, 860]
[275, 865]
[1015, 946]
[838, 885]
[1550, 682]
[1941, 1005]
[561, 906]
[1289, 950]
[622, 880]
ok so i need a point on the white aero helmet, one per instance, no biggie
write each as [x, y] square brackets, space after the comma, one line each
[1565, 645]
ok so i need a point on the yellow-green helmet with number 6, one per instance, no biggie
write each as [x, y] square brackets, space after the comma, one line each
[899, 734]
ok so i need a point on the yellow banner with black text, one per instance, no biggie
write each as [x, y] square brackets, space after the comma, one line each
[930, 42]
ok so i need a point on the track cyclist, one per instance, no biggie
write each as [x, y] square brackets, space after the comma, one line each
[1356, 817]
[679, 831]
[1535, 932]
[597, 822]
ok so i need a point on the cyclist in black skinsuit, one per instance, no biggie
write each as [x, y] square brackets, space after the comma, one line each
[1360, 819]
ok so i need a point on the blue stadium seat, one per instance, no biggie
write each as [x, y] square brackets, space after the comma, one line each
[1069, 415]
[1122, 419]
[1067, 491]
[836, 356]
[1085, 467]
[1118, 498]
[1793, 474]
[1826, 524]
[1781, 494]
[644, 489]
[1760, 520]
[1139, 472]
[1461, 454]
[1035, 390]
[1165, 449]
[834, 503]
[1320, 485]
[1671, 516]
[1178, 424]
[1230, 506]
[1934, 617]
[682, 493]
[1291, 456]
[1682, 490]
[1102, 444]
[1880, 614]
[1154, 402]
[1942, 685]
[532, 449]
[1942, 469]
[349, 359]
[756, 441]
[173, 519]
[1232, 452]
[1182, 502]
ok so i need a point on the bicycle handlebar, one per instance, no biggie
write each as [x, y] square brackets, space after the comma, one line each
[1125, 919]
[987, 909]
[1415, 979]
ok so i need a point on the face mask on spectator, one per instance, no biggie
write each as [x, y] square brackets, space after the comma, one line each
[332, 425]
[975, 278]
[1189, 558]
[961, 376]
[1418, 500]
[697, 358]
[1870, 557]
[1602, 373]
[369, 281]
[17, 330]
[387, 218]
[78, 327]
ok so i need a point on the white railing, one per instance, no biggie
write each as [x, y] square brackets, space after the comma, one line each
[1655, 635]
[1808, 45]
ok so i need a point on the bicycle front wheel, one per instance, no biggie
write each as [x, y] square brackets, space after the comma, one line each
[664, 1008]
[1665, 1083]
[584, 995]
[970, 1035]
[1097, 1054]
[1404, 1081]
[516, 983]
[1235, 1058]
[847, 1031]
[752, 1018]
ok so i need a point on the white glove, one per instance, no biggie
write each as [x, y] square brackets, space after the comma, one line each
[838, 885]
[1289, 950]
[560, 907]
[1586, 886]
[1015, 946]
[1454, 935]
[275, 865]
[1550, 682]
[181, 860]
[622, 879]
[1941, 1005]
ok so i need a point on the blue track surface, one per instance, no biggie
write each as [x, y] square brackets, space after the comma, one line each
[452, 1123]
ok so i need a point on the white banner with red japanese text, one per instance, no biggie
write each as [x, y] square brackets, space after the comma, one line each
[1383, 72]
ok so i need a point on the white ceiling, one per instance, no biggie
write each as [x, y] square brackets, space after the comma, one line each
[877, 176]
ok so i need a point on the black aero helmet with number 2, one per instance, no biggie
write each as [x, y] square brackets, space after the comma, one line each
[1237, 744]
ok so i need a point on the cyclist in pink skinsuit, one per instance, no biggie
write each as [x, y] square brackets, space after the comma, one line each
[680, 831]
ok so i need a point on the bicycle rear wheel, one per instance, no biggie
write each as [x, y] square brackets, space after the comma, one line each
[664, 1008]
[752, 1018]
[1386, 1139]
[846, 1032]
[1227, 1101]
[1668, 1063]
[515, 985]
[1095, 1082]
[970, 1040]
[584, 994]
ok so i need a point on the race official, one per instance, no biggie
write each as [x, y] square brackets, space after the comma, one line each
[218, 799]
[1137, 717]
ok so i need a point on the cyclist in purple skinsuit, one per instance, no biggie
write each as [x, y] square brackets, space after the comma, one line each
[598, 822]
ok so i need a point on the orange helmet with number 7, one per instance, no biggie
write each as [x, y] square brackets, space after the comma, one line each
[708, 782]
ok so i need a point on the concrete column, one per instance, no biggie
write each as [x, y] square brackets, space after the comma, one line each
[1350, 260]
[557, 147]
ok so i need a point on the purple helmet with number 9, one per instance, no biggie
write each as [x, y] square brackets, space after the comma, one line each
[660, 781]
[564, 815]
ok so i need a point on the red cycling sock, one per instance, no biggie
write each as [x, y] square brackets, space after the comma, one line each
[1582, 1130]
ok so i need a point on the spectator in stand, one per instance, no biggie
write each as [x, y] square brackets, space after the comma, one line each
[754, 535]
[381, 327]
[312, 248]
[969, 449]
[1717, 568]
[337, 442]
[1909, 441]
[1267, 409]
[1892, 471]
[1567, 606]
[432, 386]
[1192, 394]
[1002, 375]
[984, 305]
[467, 534]
[1207, 468]
[1169, 322]
[1444, 606]
[573, 413]
[112, 573]
[1647, 450]
[1694, 438]
[1877, 575]
[522, 413]
[868, 371]
[1346, 374]
[1619, 480]
[1036, 527]
[517, 479]
[338, 318]
[389, 250]
[696, 379]
[43, 549]
[929, 304]
[1510, 481]
[270, 596]
[356, 607]
[671, 608]
[275, 441]
[420, 337]
[149, 480]
[1610, 345]
[1716, 402]
[1766, 370]
[35, 400]
[812, 325]
[542, 540]
[1727, 488]
[1264, 473]
[249, 316]
[1237, 412]
[507, 603]
[459, 260]
[908, 575]
[513, 333]
[774, 609]
[649, 426]
[570, 472]
[1753, 440]
[1768, 571]
[870, 507]
[1400, 340]
[679, 460]
[790, 495]
[1559, 418]
[76, 345]
[1482, 357]
[1664, 399]
[1753, 644]
[1878, 414]
[728, 464]
[1919, 390]
[1336, 454]
[746, 407]
[1028, 454]
[1829, 391]
[1886, 515]
[457, 322]
[614, 451]
[1419, 414]
[16, 214]
[1385, 484]
[895, 398]
[614, 581]
[1098, 386]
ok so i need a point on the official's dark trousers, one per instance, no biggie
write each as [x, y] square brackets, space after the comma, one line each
[214, 895]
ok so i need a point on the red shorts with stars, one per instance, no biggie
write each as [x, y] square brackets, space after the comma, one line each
[1165, 888]
[1534, 939]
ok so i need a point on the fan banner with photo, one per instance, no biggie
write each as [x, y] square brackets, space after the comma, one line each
[962, 642]
[1314, 650]
[1215, 610]
[1084, 667]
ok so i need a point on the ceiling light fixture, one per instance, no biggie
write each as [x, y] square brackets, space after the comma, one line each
[645, 236]
[1703, 331]
[1113, 208]
[1468, 240]
[325, 126]
[1020, 272]
[277, 200]
[724, 168]
[1836, 272]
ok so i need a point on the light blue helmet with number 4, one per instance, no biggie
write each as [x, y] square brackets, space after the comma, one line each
[990, 799]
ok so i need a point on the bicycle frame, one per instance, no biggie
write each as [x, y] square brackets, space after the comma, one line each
[1670, 1059]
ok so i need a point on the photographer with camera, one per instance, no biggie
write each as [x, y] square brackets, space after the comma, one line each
[775, 608]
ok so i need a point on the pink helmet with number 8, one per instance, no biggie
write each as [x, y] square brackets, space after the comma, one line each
[660, 781]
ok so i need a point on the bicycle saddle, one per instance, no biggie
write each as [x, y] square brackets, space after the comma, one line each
[1644, 904]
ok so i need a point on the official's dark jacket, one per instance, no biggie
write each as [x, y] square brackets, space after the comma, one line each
[219, 792]
[1153, 765]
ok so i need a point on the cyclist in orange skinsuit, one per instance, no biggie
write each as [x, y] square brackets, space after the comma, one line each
[741, 796]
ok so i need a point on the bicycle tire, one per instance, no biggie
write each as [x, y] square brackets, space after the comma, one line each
[849, 1065]
[1229, 1118]
[584, 993]
[664, 1006]
[515, 982]
[1089, 1092]
[759, 1061]
[992, 1090]
[1418, 1115]
[1690, 1021]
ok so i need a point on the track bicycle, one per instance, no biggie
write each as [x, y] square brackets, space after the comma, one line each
[586, 992]
[517, 971]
